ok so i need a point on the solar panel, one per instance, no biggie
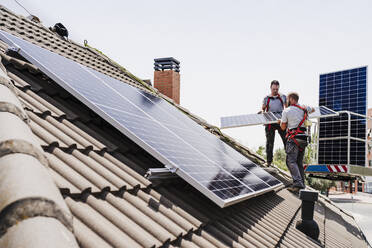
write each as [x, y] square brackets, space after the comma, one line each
[248, 120]
[343, 91]
[322, 112]
[199, 157]
[269, 118]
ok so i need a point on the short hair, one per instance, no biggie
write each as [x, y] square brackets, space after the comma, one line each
[274, 82]
[294, 96]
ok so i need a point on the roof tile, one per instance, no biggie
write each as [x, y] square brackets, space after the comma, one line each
[88, 238]
[48, 234]
[79, 179]
[102, 178]
[99, 224]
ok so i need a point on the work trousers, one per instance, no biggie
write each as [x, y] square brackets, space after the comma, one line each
[270, 138]
[295, 157]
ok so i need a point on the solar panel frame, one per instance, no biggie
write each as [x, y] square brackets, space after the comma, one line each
[105, 115]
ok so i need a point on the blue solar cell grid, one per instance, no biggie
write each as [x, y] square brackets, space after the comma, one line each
[219, 171]
[343, 91]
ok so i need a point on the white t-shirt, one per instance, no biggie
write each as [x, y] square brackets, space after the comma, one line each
[294, 115]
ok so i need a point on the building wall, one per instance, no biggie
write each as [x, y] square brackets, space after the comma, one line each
[368, 184]
[369, 131]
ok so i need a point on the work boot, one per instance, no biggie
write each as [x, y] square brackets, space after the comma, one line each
[269, 164]
[294, 189]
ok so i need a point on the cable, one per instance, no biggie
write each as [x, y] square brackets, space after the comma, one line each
[22, 7]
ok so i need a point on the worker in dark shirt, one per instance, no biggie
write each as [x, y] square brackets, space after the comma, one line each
[275, 102]
[295, 121]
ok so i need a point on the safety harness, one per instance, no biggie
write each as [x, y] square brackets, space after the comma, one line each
[292, 133]
[267, 105]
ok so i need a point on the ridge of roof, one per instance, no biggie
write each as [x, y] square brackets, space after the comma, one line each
[112, 62]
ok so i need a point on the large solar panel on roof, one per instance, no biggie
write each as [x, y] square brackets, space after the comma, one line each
[199, 157]
[268, 118]
[343, 91]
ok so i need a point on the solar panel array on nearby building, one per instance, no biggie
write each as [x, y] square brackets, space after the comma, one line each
[268, 118]
[343, 91]
[199, 157]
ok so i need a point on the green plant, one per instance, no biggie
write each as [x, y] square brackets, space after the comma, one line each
[323, 185]
[261, 151]
[280, 159]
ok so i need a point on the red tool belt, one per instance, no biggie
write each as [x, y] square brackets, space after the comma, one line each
[291, 134]
[267, 105]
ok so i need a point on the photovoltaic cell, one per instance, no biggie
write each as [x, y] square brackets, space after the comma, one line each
[343, 91]
[203, 160]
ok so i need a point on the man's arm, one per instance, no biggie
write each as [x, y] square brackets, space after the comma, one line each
[283, 122]
[264, 102]
[285, 101]
[283, 125]
[263, 107]
[310, 110]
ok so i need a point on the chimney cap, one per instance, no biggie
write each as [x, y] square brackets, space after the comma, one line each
[308, 195]
[168, 63]
[167, 59]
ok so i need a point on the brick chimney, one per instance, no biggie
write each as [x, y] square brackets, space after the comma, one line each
[167, 77]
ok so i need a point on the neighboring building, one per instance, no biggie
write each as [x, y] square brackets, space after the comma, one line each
[68, 178]
[368, 183]
[369, 137]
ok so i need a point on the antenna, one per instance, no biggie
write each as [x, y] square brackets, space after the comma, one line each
[22, 7]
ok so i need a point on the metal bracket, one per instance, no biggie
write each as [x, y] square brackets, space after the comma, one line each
[161, 173]
[13, 49]
[14, 52]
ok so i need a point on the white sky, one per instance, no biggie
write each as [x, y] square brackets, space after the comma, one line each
[229, 50]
